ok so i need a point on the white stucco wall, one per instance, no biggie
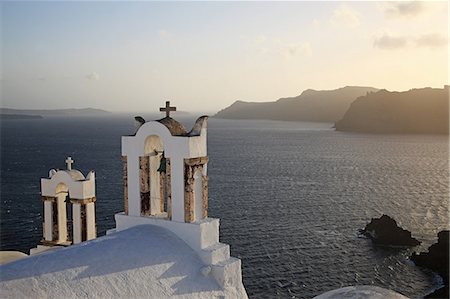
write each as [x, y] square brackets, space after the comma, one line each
[198, 235]
[79, 189]
[198, 196]
[134, 205]
[203, 238]
[89, 185]
[90, 221]
[155, 196]
[197, 145]
[177, 188]
[62, 217]
[143, 262]
[48, 220]
[76, 216]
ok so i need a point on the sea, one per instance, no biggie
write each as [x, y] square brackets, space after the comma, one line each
[291, 196]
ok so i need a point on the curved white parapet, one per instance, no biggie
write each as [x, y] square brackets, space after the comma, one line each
[74, 181]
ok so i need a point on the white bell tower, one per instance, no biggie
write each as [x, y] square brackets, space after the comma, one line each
[166, 184]
[165, 170]
[65, 187]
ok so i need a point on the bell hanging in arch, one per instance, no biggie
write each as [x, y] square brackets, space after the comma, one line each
[162, 165]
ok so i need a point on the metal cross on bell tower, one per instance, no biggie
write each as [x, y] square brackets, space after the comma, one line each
[167, 109]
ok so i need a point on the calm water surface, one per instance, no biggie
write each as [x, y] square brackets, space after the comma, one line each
[291, 196]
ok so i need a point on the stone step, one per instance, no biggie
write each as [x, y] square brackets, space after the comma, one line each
[228, 273]
[215, 254]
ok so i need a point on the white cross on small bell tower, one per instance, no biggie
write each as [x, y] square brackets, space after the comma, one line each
[69, 163]
[63, 188]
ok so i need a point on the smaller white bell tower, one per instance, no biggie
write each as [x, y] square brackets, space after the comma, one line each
[63, 188]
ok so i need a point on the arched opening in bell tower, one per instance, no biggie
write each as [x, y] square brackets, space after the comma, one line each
[154, 178]
[60, 229]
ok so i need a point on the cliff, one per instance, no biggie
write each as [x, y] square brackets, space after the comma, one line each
[311, 105]
[436, 259]
[417, 111]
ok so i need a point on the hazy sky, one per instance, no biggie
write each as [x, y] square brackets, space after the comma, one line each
[133, 56]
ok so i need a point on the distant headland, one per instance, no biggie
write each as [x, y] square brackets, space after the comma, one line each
[7, 113]
[357, 109]
[311, 105]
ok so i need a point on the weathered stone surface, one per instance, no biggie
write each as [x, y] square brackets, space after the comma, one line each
[188, 192]
[49, 198]
[83, 223]
[189, 198]
[191, 166]
[205, 196]
[83, 201]
[175, 128]
[161, 192]
[200, 161]
[436, 259]
[55, 232]
[125, 183]
[145, 203]
[168, 189]
[144, 184]
[385, 231]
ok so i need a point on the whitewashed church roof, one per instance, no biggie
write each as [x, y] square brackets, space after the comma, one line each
[141, 262]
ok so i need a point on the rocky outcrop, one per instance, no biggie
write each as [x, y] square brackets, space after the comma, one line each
[417, 111]
[385, 231]
[436, 259]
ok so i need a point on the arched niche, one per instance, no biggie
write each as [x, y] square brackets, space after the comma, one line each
[60, 231]
[154, 180]
[153, 143]
[61, 188]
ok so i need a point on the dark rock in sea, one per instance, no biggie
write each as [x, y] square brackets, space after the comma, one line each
[436, 259]
[385, 231]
